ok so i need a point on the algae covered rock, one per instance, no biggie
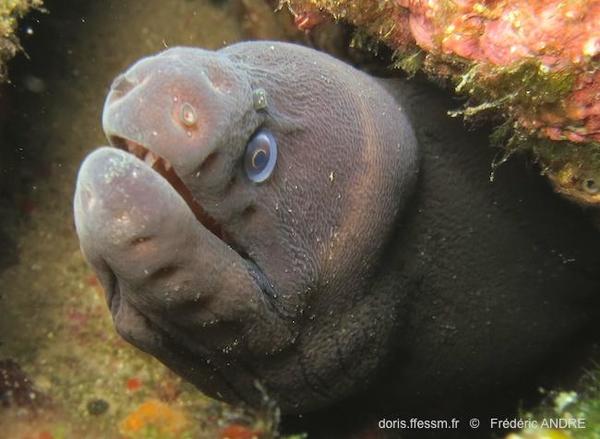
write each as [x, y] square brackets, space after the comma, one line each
[534, 63]
[565, 414]
[10, 12]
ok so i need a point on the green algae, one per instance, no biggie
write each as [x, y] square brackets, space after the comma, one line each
[528, 84]
[364, 42]
[553, 156]
[374, 17]
[10, 12]
[582, 405]
[527, 87]
[411, 63]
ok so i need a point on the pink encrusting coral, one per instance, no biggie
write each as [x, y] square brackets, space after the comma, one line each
[579, 120]
[561, 36]
[533, 62]
[559, 33]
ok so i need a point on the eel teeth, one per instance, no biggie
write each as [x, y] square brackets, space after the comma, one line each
[150, 158]
[135, 149]
[153, 160]
[165, 168]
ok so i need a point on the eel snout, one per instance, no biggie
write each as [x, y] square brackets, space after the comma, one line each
[151, 253]
[124, 214]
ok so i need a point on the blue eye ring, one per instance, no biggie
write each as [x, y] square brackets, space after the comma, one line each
[260, 156]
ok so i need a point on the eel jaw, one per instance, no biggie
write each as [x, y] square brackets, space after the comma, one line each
[163, 167]
[211, 305]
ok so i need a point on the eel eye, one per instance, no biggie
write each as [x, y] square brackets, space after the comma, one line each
[591, 186]
[260, 156]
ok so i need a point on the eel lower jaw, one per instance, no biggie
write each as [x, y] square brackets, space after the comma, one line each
[165, 168]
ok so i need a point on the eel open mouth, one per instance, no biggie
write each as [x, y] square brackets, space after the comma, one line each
[164, 168]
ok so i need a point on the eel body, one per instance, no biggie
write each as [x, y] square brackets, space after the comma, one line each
[266, 213]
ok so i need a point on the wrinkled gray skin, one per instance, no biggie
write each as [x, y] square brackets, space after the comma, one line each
[365, 253]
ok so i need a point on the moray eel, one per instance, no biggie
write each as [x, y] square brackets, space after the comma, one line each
[270, 219]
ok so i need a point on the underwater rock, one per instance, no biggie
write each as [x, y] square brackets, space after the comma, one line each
[154, 417]
[566, 414]
[97, 407]
[533, 63]
[169, 388]
[16, 388]
[10, 12]
[237, 431]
